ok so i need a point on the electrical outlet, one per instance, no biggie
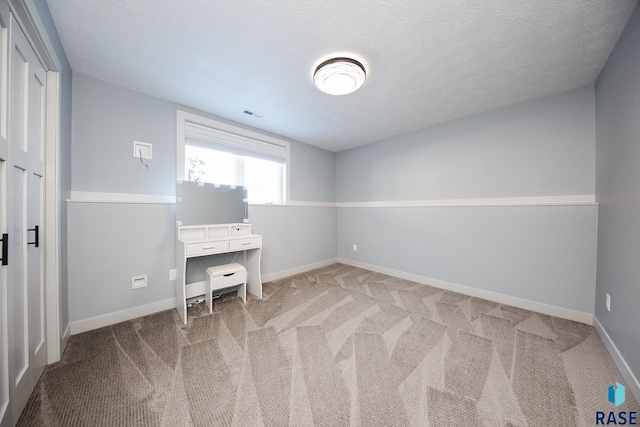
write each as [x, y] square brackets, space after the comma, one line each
[138, 282]
[608, 302]
[172, 274]
[355, 248]
[142, 149]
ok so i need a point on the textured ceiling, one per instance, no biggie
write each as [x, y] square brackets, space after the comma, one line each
[427, 61]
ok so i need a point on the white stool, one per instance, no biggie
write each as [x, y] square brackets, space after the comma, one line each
[225, 276]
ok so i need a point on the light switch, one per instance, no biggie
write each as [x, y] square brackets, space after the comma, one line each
[142, 149]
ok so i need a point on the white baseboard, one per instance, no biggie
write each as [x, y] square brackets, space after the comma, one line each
[120, 316]
[623, 367]
[297, 270]
[85, 325]
[552, 310]
[144, 310]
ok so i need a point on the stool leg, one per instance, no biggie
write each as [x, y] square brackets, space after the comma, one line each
[242, 292]
[208, 301]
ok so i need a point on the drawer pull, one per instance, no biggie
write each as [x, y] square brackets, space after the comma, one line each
[208, 248]
[247, 244]
[229, 274]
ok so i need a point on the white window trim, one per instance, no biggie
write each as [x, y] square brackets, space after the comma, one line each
[183, 117]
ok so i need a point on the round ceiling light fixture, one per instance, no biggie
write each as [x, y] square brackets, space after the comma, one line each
[339, 76]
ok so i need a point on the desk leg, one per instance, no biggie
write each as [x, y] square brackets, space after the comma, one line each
[254, 278]
[181, 268]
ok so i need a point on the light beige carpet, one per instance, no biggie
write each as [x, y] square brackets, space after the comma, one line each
[336, 346]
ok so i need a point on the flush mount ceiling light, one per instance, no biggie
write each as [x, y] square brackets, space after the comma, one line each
[339, 76]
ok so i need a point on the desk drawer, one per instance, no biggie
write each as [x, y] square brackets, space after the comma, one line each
[248, 243]
[207, 248]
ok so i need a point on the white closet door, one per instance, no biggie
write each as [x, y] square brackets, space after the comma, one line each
[5, 407]
[25, 219]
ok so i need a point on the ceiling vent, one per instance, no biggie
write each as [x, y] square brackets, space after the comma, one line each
[253, 113]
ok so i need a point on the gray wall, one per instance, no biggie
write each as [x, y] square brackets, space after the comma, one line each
[538, 148]
[109, 243]
[544, 147]
[66, 76]
[106, 121]
[313, 174]
[618, 193]
[543, 254]
[294, 236]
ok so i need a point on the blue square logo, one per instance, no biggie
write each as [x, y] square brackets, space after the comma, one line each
[616, 394]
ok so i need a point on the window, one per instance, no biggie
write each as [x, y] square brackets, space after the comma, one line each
[220, 156]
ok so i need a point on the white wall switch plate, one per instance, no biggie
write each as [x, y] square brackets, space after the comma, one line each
[608, 302]
[172, 274]
[355, 248]
[142, 149]
[138, 282]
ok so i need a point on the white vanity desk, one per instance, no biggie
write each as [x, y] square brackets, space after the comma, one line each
[203, 240]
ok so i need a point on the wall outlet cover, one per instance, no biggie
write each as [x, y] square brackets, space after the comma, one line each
[172, 274]
[138, 282]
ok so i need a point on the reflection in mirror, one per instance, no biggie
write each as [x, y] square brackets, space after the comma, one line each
[203, 203]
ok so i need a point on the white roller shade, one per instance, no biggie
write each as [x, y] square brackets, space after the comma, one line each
[214, 139]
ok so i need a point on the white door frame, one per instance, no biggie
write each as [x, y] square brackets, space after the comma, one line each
[26, 15]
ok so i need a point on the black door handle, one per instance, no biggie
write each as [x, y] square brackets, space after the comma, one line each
[5, 249]
[36, 242]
